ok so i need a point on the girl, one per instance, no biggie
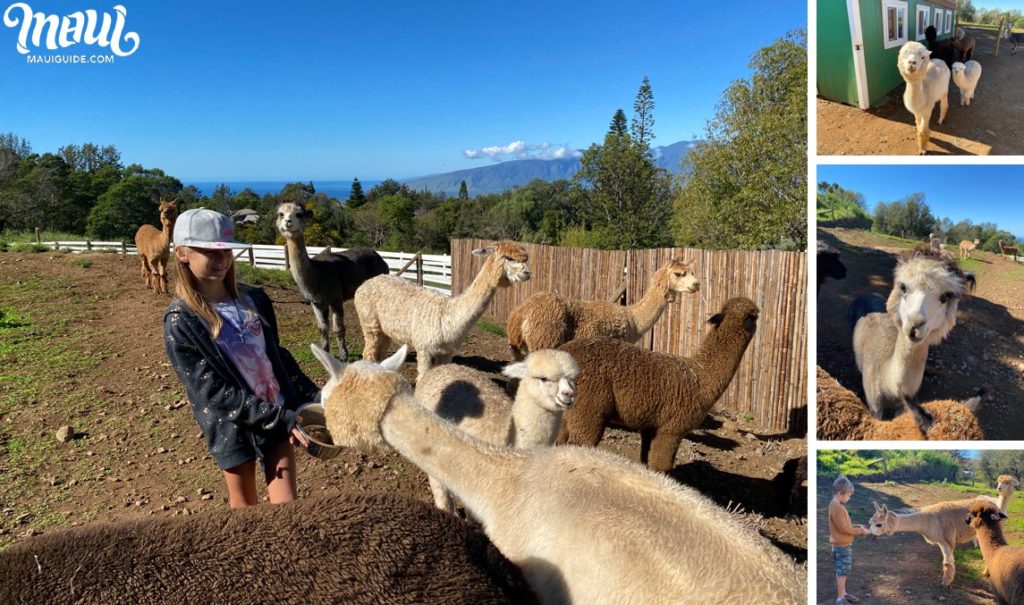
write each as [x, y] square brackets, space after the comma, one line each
[221, 339]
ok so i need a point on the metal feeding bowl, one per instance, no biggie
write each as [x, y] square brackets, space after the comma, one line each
[312, 423]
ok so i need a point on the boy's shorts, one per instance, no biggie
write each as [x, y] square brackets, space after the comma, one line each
[842, 558]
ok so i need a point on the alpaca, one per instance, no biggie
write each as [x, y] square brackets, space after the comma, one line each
[153, 247]
[1007, 250]
[891, 337]
[343, 548]
[584, 525]
[470, 400]
[546, 320]
[940, 524]
[934, 243]
[1005, 564]
[393, 310]
[829, 264]
[940, 49]
[966, 246]
[663, 396]
[328, 279]
[842, 416]
[927, 84]
[1005, 484]
[966, 76]
[964, 45]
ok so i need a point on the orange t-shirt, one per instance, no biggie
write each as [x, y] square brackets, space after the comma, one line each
[840, 529]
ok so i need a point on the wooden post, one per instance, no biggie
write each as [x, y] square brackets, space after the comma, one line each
[419, 268]
[88, 245]
[999, 34]
[39, 237]
[252, 257]
[124, 248]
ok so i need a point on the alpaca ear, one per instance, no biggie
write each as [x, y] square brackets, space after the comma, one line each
[878, 508]
[334, 367]
[483, 251]
[1002, 515]
[967, 519]
[717, 319]
[394, 362]
[515, 370]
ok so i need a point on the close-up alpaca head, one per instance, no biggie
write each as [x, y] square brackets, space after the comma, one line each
[549, 376]
[168, 211]
[984, 514]
[883, 522]
[291, 218]
[1005, 484]
[512, 258]
[913, 58]
[681, 277]
[925, 295]
[737, 312]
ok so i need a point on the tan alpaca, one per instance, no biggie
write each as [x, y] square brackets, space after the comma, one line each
[1005, 564]
[584, 525]
[546, 320]
[966, 246]
[472, 401]
[391, 309]
[153, 247]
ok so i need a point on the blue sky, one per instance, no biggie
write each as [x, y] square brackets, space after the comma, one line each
[330, 90]
[976, 192]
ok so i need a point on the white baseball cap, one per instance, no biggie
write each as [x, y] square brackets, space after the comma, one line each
[204, 228]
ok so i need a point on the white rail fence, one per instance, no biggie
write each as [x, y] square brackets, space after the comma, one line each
[432, 271]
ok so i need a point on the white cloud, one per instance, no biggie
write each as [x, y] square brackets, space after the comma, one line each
[519, 150]
[471, 154]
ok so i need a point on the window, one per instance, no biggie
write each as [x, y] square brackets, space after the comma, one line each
[894, 23]
[922, 21]
[939, 21]
[949, 21]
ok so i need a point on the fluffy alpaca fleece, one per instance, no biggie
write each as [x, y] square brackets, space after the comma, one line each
[328, 279]
[941, 524]
[345, 548]
[966, 76]
[546, 320]
[663, 396]
[153, 247]
[472, 401]
[927, 84]
[393, 310]
[584, 525]
[1005, 563]
[891, 339]
[843, 416]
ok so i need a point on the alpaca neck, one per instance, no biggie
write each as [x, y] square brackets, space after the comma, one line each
[648, 309]
[914, 522]
[165, 234]
[466, 308]
[908, 361]
[721, 351]
[472, 470]
[1003, 502]
[298, 259]
[989, 539]
[531, 425]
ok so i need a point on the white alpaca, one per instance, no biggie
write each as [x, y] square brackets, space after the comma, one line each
[472, 401]
[966, 76]
[391, 309]
[584, 525]
[927, 84]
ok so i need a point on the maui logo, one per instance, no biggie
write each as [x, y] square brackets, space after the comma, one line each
[77, 28]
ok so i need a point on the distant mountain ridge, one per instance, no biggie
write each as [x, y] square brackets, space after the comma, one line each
[495, 178]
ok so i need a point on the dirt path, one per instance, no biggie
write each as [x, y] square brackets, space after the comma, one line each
[985, 349]
[992, 125]
[901, 569]
[83, 346]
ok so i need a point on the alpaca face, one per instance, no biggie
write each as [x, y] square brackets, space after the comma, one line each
[291, 219]
[1006, 485]
[168, 212]
[737, 311]
[881, 524]
[913, 58]
[984, 514]
[513, 258]
[549, 377]
[681, 278]
[925, 298]
[958, 71]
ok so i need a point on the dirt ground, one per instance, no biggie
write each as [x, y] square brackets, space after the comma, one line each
[82, 346]
[992, 125]
[984, 350]
[901, 569]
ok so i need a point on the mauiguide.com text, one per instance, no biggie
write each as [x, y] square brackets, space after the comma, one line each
[69, 59]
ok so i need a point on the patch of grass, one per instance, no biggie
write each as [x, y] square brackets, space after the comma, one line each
[747, 416]
[29, 247]
[46, 236]
[263, 277]
[491, 326]
[82, 262]
[969, 563]
[10, 320]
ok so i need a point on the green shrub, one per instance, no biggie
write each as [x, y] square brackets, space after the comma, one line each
[80, 261]
[29, 247]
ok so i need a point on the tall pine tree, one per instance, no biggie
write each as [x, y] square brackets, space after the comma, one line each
[463, 191]
[356, 198]
[643, 118]
[618, 125]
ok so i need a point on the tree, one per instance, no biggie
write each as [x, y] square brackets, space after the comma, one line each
[745, 186]
[909, 218]
[130, 204]
[618, 125]
[643, 118]
[463, 191]
[965, 11]
[356, 198]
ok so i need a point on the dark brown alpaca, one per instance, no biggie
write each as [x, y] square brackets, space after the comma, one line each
[663, 396]
[153, 247]
[1005, 563]
[1007, 250]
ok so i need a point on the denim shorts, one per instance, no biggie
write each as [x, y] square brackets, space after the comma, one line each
[842, 558]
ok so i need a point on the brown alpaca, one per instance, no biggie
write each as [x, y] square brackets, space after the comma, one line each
[546, 320]
[1005, 563]
[153, 247]
[663, 396]
[1007, 250]
[843, 416]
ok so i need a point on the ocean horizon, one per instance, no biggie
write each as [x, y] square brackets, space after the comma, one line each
[336, 189]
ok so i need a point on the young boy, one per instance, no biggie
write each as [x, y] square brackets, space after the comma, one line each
[840, 534]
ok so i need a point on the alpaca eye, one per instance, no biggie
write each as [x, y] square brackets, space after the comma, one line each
[677, 274]
[903, 288]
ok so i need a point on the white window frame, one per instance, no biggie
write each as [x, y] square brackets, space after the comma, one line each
[949, 22]
[922, 9]
[898, 6]
[940, 20]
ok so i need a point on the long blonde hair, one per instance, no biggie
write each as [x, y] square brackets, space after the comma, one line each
[186, 288]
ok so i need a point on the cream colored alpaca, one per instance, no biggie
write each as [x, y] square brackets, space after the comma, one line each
[153, 247]
[966, 76]
[473, 402]
[584, 525]
[927, 84]
[391, 309]
[546, 320]
[1005, 484]
[941, 524]
[966, 246]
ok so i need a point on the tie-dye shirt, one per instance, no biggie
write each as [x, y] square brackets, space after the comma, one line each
[241, 340]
